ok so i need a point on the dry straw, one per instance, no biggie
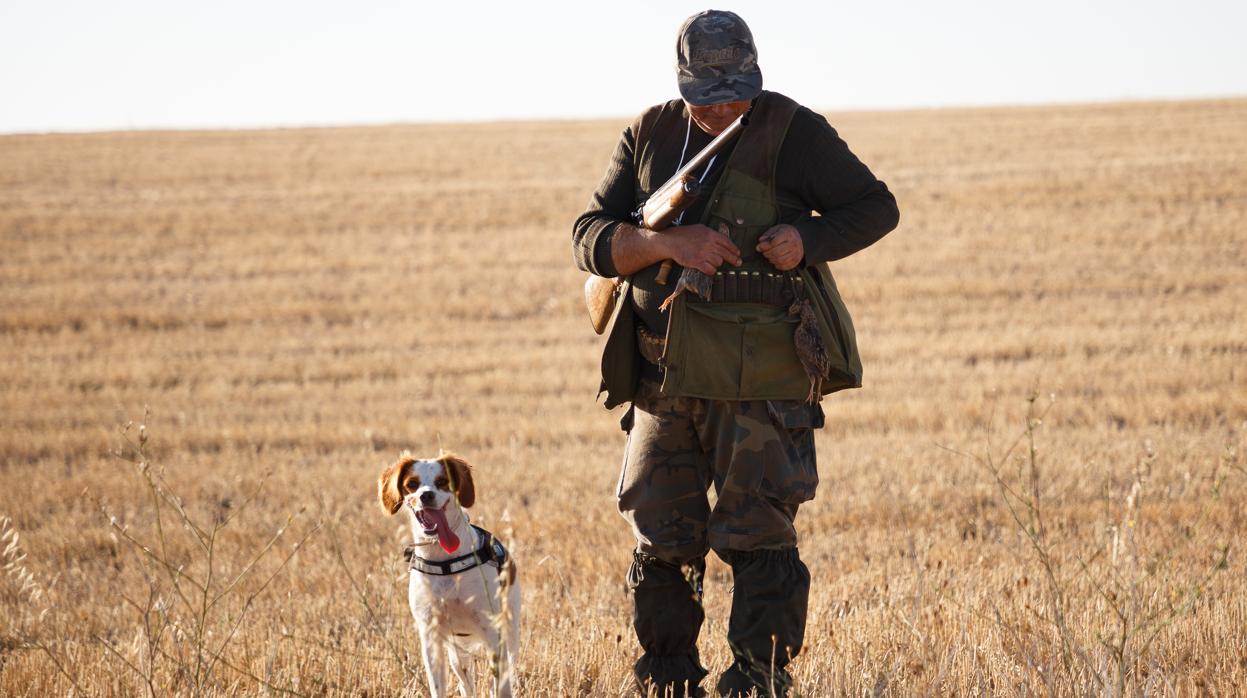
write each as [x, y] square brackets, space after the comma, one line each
[298, 305]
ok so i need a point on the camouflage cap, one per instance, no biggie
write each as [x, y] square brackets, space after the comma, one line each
[716, 60]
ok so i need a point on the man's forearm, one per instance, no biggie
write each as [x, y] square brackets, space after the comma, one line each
[633, 249]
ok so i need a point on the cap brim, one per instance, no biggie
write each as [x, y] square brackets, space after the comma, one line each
[717, 90]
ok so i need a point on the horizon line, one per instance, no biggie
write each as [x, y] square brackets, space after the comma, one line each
[537, 119]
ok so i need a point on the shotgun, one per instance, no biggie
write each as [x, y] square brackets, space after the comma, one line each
[659, 211]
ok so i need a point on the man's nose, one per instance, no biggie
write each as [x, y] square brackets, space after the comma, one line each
[426, 497]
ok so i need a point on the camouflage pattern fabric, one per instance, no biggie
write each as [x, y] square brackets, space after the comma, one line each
[758, 455]
[716, 60]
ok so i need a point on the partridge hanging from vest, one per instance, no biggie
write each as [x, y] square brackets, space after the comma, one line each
[810, 348]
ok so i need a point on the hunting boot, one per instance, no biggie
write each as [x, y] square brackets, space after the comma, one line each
[771, 590]
[667, 615]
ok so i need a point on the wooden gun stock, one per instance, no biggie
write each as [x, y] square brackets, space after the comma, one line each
[600, 299]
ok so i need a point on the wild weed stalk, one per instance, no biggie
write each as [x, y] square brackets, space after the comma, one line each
[1105, 601]
[192, 604]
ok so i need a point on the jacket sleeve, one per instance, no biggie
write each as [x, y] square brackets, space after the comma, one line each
[853, 209]
[611, 205]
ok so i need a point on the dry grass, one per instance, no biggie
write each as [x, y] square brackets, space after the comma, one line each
[297, 306]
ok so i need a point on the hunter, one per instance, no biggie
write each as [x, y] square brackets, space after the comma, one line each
[724, 383]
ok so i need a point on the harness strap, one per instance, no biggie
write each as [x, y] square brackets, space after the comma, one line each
[490, 552]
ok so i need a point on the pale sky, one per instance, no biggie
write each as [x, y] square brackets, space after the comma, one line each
[135, 64]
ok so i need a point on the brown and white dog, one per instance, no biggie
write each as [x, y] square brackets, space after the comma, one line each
[462, 589]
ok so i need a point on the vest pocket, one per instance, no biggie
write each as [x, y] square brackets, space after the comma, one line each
[733, 351]
[705, 358]
[770, 368]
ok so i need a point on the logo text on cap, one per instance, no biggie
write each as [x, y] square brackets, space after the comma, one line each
[710, 56]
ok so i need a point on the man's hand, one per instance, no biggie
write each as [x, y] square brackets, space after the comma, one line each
[782, 246]
[699, 247]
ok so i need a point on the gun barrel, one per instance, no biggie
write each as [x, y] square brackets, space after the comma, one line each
[702, 158]
[676, 196]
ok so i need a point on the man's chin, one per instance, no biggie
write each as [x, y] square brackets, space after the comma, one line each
[712, 130]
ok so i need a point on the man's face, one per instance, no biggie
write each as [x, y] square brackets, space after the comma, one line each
[714, 118]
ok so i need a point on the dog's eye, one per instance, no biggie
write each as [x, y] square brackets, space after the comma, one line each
[412, 484]
[442, 483]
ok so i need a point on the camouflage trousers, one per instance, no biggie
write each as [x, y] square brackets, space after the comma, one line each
[758, 454]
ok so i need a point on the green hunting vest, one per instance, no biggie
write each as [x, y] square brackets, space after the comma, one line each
[738, 351]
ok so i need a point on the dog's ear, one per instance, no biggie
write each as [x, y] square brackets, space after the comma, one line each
[460, 474]
[387, 486]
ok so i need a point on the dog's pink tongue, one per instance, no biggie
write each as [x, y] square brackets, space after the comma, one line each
[445, 537]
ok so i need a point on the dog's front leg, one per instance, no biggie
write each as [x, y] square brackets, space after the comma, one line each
[503, 673]
[467, 682]
[509, 681]
[434, 652]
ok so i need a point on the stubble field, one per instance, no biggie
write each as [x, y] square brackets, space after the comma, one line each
[296, 307]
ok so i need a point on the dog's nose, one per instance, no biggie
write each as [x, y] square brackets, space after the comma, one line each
[426, 498]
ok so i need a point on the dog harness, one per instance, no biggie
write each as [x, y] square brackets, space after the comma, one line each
[490, 552]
